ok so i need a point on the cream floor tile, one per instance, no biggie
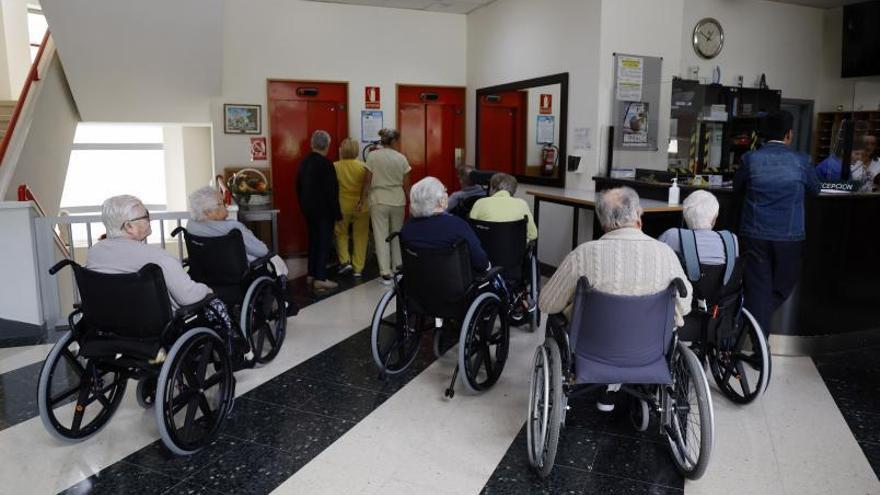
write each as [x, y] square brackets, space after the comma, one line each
[33, 462]
[419, 439]
[13, 358]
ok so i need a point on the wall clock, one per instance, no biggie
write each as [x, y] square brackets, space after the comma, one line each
[708, 38]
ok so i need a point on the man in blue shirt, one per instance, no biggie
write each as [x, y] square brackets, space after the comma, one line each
[774, 181]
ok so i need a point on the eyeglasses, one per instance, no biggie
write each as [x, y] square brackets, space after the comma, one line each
[144, 217]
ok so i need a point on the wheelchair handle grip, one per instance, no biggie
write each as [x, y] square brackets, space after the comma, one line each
[61, 264]
[177, 230]
[680, 287]
[392, 236]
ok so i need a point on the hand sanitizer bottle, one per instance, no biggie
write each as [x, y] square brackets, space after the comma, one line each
[674, 192]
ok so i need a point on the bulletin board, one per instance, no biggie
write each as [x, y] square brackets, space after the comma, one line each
[636, 102]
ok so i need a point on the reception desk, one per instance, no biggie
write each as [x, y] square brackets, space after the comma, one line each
[837, 302]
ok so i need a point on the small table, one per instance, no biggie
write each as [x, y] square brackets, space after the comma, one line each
[587, 200]
[258, 214]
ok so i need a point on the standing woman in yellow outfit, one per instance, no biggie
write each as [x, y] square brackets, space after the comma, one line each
[350, 174]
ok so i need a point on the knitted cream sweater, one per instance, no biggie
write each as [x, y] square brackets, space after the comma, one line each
[624, 262]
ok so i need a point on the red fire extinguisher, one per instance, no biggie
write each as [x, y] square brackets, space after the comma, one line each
[549, 156]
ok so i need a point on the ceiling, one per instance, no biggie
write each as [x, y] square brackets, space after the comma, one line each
[822, 4]
[447, 6]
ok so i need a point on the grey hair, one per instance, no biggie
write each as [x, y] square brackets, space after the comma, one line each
[116, 211]
[320, 140]
[700, 210]
[503, 182]
[464, 174]
[618, 208]
[425, 196]
[201, 201]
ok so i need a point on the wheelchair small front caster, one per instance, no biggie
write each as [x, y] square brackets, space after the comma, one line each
[450, 393]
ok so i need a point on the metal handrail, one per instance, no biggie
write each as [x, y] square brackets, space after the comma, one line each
[25, 194]
[33, 75]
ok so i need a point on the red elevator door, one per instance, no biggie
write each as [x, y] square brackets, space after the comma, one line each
[296, 110]
[431, 121]
[502, 127]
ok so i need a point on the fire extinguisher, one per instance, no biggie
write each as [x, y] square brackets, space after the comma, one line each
[549, 157]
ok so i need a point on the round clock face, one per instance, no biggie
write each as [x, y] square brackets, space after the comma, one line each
[708, 38]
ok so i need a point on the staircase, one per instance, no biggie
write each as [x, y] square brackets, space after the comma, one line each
[6, 109]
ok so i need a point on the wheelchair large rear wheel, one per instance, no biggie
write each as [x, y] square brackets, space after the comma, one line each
[195, 391]
[741, 369]
[483, 343]
[394, 339]
[690, 427]
[77, 396]
[546, 408]
[265, 319]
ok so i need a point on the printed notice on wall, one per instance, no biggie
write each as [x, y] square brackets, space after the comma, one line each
[635, 124]
[545, 129]
[371, 124]
[630, 72]
[582, 139]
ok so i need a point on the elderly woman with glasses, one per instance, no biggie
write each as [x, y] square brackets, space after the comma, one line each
[431, 227]
[208, 219]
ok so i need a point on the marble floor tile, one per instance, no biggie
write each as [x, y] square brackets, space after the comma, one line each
[123, 478]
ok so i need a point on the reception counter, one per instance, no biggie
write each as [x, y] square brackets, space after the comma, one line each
[837, 302]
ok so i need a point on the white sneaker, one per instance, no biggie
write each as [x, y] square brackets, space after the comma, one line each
[358, 274]
[385, 280]
[345, 268]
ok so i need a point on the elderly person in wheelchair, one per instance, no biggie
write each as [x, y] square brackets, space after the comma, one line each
[140, 317]
[719, 328]
[226, 256]
[444, 277]
[623, 295]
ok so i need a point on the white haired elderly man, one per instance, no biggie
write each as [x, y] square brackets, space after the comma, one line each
[208, 219]
[625, 261]
[125, 250]
[700, 213]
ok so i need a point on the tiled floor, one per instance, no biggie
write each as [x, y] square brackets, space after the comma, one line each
[318, 420]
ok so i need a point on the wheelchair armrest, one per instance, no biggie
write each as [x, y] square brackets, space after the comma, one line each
[557, 320]
[61, 264]
[262, 260]
[184, 312]
[488, 275]
[392, 236]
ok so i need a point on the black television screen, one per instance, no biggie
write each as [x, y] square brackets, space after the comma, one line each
[861, 40]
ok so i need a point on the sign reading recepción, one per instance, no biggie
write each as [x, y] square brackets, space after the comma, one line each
[372, 97]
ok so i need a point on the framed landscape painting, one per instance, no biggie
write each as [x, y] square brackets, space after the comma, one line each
[241, 119]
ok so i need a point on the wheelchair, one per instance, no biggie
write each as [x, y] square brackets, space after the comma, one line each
[627, 340]
[506, 245]
[721, 331]
[423, 300]
[252, 290]
[121, 330]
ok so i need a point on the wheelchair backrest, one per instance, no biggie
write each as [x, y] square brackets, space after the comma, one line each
[217, 261]
[133, 305]
[464, 207]
[436, 281]
[622, 331]
[505, 244]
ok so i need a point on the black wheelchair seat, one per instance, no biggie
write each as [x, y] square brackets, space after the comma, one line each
[506, 245]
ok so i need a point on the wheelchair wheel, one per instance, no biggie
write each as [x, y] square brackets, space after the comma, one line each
[546, 408]
[394, 342]
[264, 317]
[146, 392]
[639, 414]
[194, 392]
[691, 424]
[77, 396]
[483, 344]
[742, 369]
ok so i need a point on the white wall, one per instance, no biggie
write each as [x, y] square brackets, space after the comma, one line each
[19, 294]
[43, 162]
[364, 46]
[188, 162]
[129, 61]
[780, 40]
[533, 150]
[15, 52]
[198, 156]
[648, 28]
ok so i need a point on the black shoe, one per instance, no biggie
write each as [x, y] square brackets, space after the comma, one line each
[606, 401]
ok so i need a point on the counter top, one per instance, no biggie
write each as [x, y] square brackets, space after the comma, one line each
[728, 189]
[588, 198]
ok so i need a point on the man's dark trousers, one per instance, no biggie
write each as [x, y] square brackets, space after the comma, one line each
[772, 269]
